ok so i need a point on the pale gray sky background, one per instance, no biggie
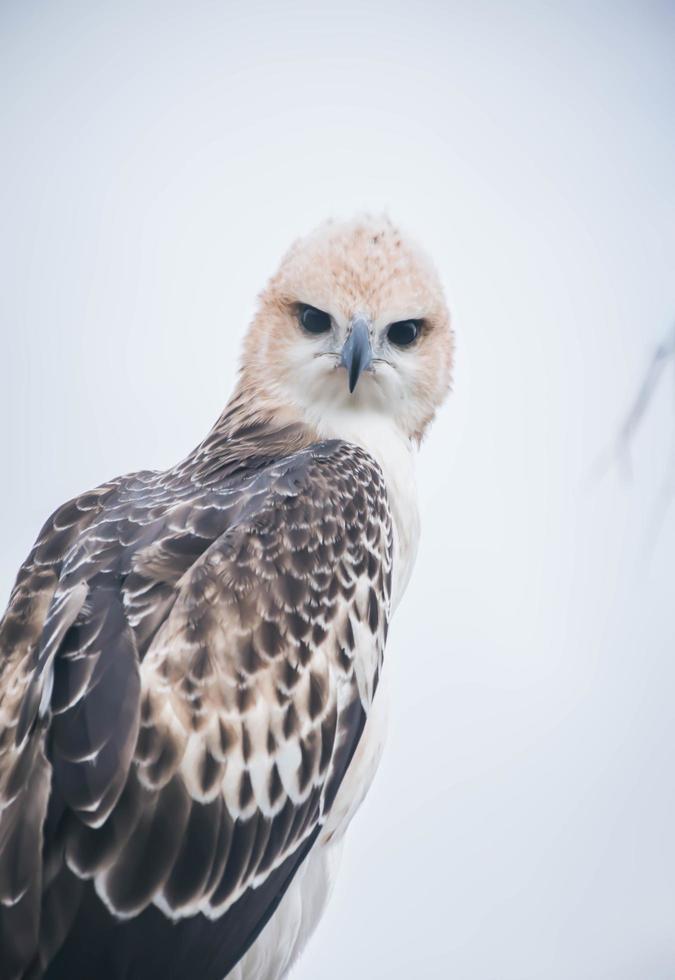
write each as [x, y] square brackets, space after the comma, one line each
[155, 161]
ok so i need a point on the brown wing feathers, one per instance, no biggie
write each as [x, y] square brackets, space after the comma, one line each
[180, 673]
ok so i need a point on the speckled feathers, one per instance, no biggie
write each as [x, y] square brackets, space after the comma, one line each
[194, 688]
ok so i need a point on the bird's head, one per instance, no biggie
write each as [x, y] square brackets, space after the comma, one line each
[353, 324]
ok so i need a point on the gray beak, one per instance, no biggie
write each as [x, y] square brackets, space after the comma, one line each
[357, 354]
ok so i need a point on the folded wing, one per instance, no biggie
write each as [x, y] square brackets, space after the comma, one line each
[199, 683]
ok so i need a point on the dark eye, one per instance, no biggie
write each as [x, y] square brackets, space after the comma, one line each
[313, 320]
[404, 332]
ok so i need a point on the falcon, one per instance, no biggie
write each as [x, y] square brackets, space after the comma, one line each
[192, 675]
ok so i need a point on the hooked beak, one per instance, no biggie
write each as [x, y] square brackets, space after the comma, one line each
[357, 353]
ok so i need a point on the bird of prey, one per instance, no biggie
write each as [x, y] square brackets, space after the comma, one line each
[192, 663]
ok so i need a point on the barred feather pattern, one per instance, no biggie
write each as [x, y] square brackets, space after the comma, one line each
[187, 661]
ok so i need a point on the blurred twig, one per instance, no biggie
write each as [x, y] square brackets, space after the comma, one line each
[620, 452]
[663, 353]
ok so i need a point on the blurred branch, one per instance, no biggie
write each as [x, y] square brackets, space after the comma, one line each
[620, 452]
[663, 353]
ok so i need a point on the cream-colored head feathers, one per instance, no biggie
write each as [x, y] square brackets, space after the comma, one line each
[359, 269]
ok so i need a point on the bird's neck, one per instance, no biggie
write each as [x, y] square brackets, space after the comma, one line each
[249, 430]
[257, 417]
[250, 411]
[254, 427]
